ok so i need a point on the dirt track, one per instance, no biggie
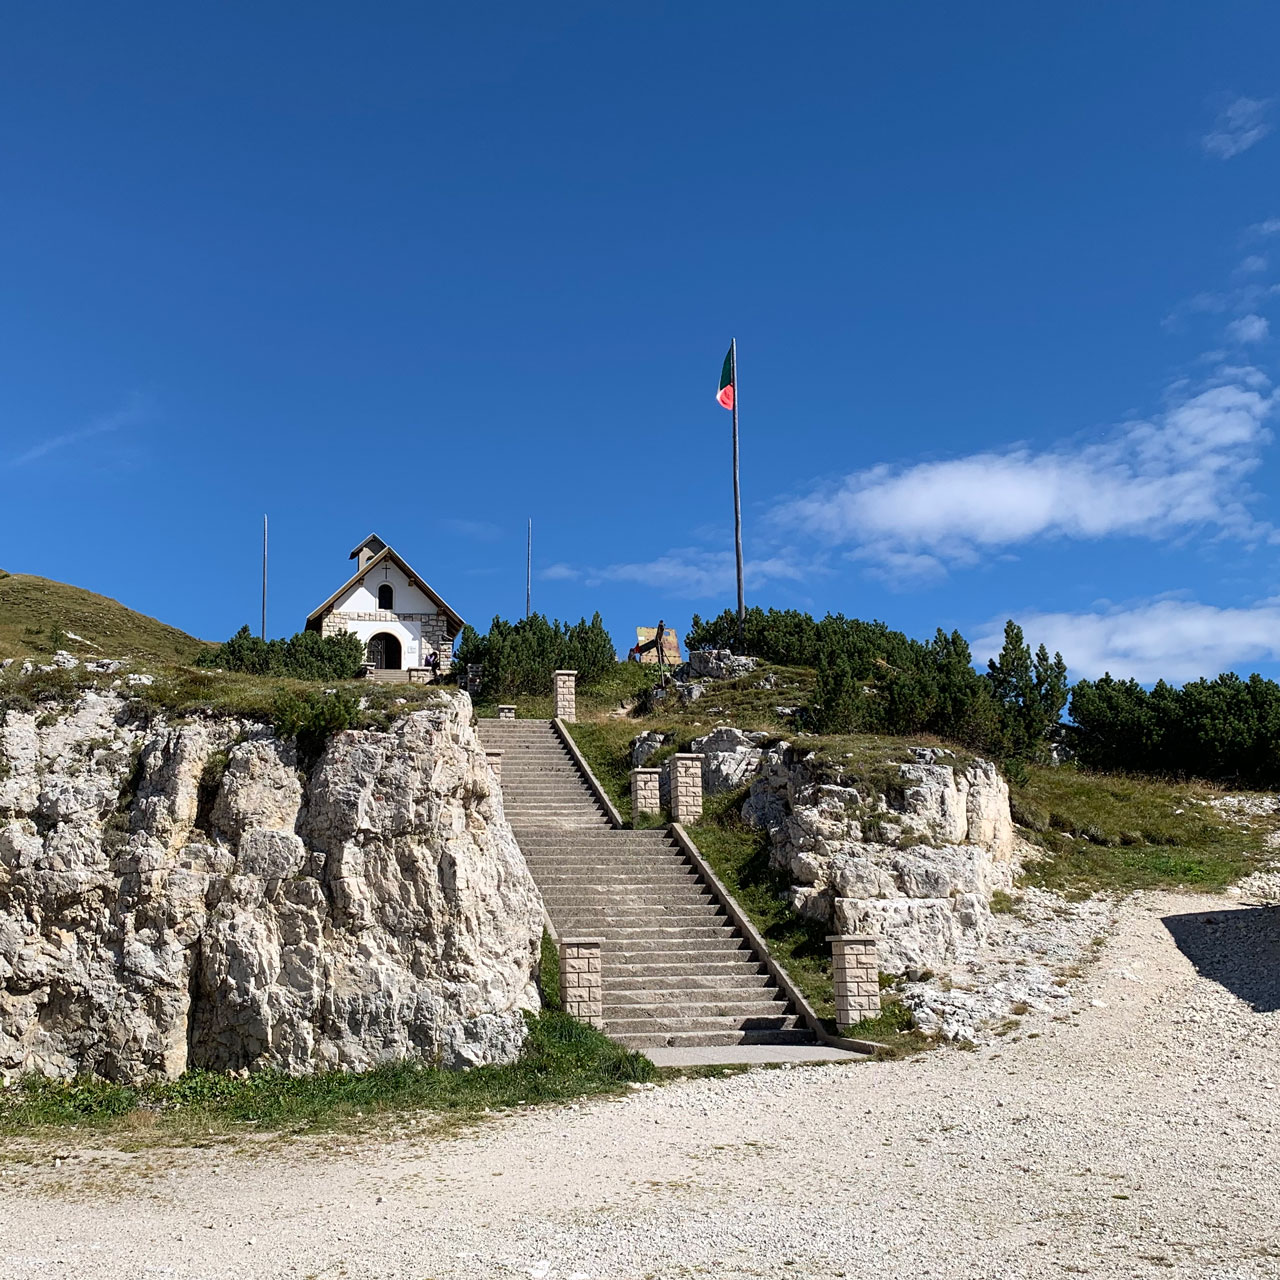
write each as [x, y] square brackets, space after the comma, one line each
[1140, 1138]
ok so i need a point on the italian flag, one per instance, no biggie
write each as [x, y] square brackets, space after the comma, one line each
[728, 376]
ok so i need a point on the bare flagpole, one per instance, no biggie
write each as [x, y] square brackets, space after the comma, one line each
[263, 633]
[737, 505]
[528, 572]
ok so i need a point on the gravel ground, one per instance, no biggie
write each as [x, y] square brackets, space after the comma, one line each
[1138, 1135]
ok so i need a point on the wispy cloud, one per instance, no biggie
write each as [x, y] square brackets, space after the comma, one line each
[1268, 227]
[691, 572]
[1151, 640]
[1177, 471]
[1251, 328]
[480, 530]
[1241, 123]
[560, 572]
[133, 412]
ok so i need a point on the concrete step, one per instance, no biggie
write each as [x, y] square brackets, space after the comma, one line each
[764, 1022]
[691, 987]
[703, 1039]
[687, 1010]
[649, 950]
[580, 901]
[723, 966]
[675, 912]
[624, 936]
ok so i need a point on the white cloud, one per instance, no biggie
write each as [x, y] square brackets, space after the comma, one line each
[1251, 265]
[133, 412]
[1240, 123]
[1268, 227]
[559, 573]
[1175, 640]
[1183, 469]
[1250, 328]
[696, 573]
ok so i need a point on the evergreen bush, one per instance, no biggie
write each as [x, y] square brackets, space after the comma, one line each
[304, 656]
[521, 657]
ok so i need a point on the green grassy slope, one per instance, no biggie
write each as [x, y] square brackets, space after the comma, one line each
[34, 611]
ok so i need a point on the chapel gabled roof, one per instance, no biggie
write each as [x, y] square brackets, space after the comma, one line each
[415, 579]
[371, 541]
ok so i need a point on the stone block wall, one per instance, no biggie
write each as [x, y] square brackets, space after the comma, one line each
[856, 974]
[566, 684]
[495, 763]
[581, 986]
[686, 786]
[646, 791]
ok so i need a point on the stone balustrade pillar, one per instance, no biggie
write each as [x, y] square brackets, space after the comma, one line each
[495, 763]
[686, 787]
[855, 970]
[506, 712]
[581, 984]
[567, 696]
[646, 791]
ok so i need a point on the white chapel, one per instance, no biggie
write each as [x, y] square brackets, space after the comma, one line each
[400, 619]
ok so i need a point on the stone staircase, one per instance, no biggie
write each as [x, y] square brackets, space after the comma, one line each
[676, 971]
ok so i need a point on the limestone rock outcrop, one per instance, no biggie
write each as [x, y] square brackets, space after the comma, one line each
[715, 664]
[914, 860]
[729, 757]
[176, 896]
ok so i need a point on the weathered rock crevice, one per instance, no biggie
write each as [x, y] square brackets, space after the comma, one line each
[174, 896]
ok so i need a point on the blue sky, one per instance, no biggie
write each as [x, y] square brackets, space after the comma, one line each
[1003, 279]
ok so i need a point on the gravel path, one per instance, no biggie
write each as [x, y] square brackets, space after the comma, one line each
[1140, 1136]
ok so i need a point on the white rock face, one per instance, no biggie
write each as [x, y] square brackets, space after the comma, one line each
[914, 865]
[729, 757]
[715, 664]
[175, 897]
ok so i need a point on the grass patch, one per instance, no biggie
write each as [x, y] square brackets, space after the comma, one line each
[1117, 833]
[739, 855]
[892, 1029]
[37, 615]
[563, 1059]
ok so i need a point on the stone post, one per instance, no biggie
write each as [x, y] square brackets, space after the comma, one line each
[567, 696]
[495, 763]
[856, 974]
[581, 986]
[506, 712]
[646, 791]
[686, 787]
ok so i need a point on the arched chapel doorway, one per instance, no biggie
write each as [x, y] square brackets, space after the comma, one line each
[384, 652]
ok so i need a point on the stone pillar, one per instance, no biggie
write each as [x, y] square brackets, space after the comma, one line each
[495, 763]
[581, 986]
[856, 974]
[686, 787]
[506, 712]
[646, 791]
[567, 696]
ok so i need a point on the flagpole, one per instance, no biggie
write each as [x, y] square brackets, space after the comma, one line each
[263, 633]
[737, 505]
[528, 572]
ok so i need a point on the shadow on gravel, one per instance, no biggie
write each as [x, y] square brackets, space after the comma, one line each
[1239, 949]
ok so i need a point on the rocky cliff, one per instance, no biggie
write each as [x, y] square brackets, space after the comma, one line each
[913, 859]
[176, 896]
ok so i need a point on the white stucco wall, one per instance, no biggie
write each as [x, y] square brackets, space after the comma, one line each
[362, 597]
